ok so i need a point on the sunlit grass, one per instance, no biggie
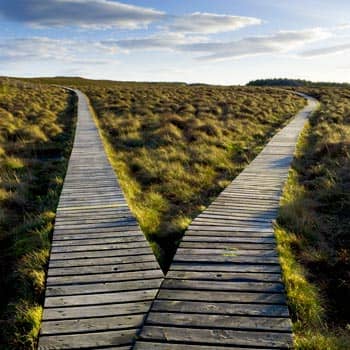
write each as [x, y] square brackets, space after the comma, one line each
[313, 234]
[36, 128]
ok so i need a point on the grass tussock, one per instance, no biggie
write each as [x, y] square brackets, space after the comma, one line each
[313, 227]
[36, 129]
[175, 147]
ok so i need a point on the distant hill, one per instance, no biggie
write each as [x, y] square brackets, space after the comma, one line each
[292, 83]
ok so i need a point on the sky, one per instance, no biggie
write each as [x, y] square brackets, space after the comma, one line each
[209, 41]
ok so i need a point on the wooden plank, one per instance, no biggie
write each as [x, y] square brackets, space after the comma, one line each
[224, 239]
[225, 276]
[226, 258]
[219, 296]
[91, 324]
[103, 298]
[102, 261]
[104, 277]
[230, 266]
[217, 336]
[226, 251]
[228, 245]
[147, 345]
[87, 340]
[98, 247]
[247, 286]
[220, 321]
[103, 287]
[220, 308]
[99, 253]
[101, 310]
[85, 270]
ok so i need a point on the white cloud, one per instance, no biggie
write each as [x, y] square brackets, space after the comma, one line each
[279, 42]
[102, 52]
[162, 41]
[80, 13]
[58, 50]
[201, 22]
[207, 49]
[329, 50]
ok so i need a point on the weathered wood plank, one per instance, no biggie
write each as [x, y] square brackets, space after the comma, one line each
[86, 270]
[220, 321]
[224, 276]
[87, 340]
[221, 308]
[91, 324]
[217, 336]
[104, 277]
[102, 310]
[247, 286]
[107, 287]
[218, 296]
[229, 266]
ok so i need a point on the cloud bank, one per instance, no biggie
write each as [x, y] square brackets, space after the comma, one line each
[329, 50]
[208, 23]
[57, 50]
[79, 13]
[205, 49]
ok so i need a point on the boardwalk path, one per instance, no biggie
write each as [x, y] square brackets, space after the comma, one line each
[224, 288]
[102, 274]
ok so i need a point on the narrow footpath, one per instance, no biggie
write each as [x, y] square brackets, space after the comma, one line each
[224, 288]
[102, 275]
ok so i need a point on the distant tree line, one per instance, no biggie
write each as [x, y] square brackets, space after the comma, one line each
[293, 83]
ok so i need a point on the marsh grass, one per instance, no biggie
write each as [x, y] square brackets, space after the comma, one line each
[36, 128]
[313, 230]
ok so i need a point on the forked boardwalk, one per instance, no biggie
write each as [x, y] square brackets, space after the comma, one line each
[224, 288]
[102, 274]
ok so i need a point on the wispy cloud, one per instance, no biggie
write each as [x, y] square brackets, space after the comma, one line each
[328, 50]
[207, 49]
[79, 13]
[206, 23]
[159, 41]
[280, 42]
[58, 50]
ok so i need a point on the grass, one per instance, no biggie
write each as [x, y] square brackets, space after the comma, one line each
[36, 129]
[176, 146]
[313, 227]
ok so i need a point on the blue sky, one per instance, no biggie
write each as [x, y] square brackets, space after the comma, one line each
[221, 41]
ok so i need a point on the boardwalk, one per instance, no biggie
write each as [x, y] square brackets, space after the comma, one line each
[224, 288]
[102, 274]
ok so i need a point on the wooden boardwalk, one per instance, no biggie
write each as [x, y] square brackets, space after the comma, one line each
[224, 287]
[102, 275]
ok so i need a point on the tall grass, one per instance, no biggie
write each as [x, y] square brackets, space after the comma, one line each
[313, 232]
[36, 128]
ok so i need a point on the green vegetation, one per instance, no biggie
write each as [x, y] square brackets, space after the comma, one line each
[313, 227]
[36, 129]
[176, 146]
